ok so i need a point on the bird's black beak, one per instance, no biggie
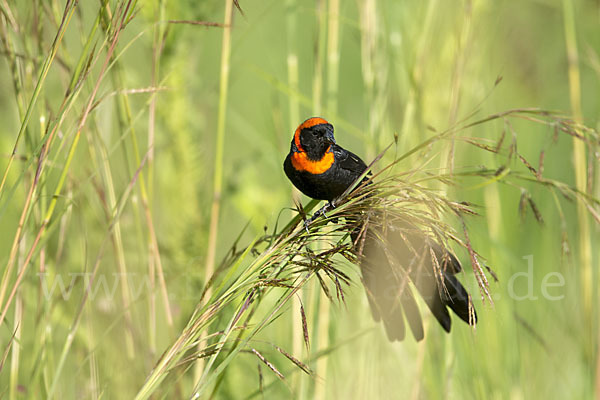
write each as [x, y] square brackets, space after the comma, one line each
[329, 137]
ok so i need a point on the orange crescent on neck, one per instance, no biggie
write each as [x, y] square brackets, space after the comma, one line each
[301, 162]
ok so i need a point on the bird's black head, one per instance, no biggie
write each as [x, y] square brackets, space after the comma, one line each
[314, 136]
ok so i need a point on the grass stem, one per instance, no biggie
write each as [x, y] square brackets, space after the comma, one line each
[209, 267]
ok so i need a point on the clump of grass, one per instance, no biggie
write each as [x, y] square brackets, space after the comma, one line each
[50, 175]
[281, 263]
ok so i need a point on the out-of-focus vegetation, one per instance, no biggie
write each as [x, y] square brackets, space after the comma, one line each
[148, 143]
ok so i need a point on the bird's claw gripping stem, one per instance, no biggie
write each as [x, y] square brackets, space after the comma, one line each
[322, 211]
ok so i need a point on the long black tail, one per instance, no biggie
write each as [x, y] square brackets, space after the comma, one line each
[393, 254]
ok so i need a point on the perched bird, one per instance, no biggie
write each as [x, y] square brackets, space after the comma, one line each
[391, 252]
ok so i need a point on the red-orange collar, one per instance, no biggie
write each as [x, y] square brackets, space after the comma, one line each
[301, 162]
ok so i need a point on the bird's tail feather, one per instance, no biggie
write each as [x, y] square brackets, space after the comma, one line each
[390, 260]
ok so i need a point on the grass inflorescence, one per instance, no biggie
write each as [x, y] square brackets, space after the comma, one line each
[281, 263]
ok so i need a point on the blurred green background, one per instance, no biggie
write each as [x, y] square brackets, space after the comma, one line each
[374, 69]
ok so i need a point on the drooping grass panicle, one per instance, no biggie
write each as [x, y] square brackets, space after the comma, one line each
[286, 260]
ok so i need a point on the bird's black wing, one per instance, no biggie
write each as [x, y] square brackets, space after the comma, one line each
[348, 161]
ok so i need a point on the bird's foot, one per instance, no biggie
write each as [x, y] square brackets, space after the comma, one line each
[322, 211]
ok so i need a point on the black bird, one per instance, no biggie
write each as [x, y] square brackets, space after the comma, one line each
[391, 252]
